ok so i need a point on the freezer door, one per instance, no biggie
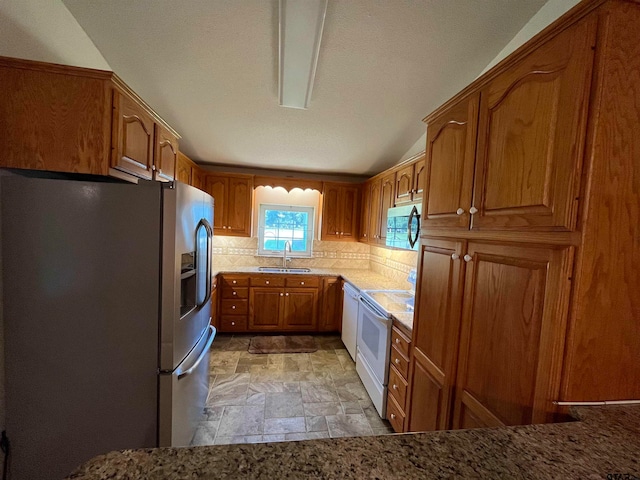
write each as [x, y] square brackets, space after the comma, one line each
[183, 394]
[185, 219]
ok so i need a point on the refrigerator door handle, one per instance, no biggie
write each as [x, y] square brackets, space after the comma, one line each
[205, 351]
[208, 284]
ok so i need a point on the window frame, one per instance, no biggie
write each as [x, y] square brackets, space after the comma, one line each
[311, 211]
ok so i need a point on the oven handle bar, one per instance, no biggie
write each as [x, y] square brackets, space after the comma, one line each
[380, 316]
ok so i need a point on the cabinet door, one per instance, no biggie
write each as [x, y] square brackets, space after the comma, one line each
[166, 154]
[404, 185]
[133, 137]
[375, 200]
[386, 192]
[197, 178]
[531, 137]
[419, 171]
[218, 187]
[183, 169]
[450, 154]
[349, 205]
[300, 309]
[239, 206]
[365, 211]
[331, 212]
[331, 305]
[436, 333]
[512, 336]
[265, 306]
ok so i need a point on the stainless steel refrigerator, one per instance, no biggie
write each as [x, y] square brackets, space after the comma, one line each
[106, 311]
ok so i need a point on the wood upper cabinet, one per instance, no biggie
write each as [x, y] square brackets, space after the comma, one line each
[331, 305]
[450, 155]
[375, 200]
[365, 211]
[531, 135]
[340, 207]
[436, 331]
[198, 178]
[232, 203]
[166, 154]
[387, 201]
[512, 335]
[133, 142]
[410, 182]
[184, 169]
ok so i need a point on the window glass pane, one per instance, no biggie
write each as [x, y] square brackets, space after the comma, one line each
[281, 224]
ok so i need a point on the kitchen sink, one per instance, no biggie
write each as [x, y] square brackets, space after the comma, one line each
[283, 270]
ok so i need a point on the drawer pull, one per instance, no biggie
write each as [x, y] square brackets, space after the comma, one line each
[393, 416]
[397, 340]
[234, 282]
[266, 282]
[395, 387]
[397, 360]
[233, 307]
[233, 324]
[235, 293]
[301, 283]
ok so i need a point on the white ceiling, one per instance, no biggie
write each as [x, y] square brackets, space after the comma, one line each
[209, 67]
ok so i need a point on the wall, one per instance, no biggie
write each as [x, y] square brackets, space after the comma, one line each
[549, 12]
[45, 30]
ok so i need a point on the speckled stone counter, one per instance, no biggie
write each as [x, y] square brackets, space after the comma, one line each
[605, 440]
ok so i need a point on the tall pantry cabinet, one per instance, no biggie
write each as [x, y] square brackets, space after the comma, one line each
[530, 253]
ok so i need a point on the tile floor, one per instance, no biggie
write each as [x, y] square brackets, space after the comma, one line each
[273, 398]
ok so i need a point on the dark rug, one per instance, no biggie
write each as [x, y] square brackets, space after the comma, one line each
[283, 344]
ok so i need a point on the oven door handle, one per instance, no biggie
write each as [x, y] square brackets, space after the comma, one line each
[373, 311]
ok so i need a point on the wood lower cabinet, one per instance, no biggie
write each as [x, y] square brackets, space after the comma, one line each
[435, 333]
[70, 119]
[266, 307]
[398, 375]
[340, 208]
[331, 305]
[300, 310]
[232, 196]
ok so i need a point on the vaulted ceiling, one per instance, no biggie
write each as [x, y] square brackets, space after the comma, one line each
[209, 67]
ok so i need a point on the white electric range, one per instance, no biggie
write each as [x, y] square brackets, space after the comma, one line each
[374, 339]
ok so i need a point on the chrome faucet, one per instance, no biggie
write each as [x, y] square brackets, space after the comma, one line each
[284, 254]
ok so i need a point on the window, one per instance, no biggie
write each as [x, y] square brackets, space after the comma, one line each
[279, 224]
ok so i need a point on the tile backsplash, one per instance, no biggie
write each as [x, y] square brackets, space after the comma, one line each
[243, 252]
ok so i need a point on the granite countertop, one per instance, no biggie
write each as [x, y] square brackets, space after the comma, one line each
[361, 279]
[605, 440]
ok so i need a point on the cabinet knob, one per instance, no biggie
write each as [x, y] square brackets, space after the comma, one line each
[235, 293]
[395, 387]
[468, 258]
[364, 235]
[473, 210]
[460, 211]
[224, 227]
[455, 256]
[233, 324]
[266, 282]
[282, 294]
[287, 294]
[341, 233]
[397, 340]
[301, 283]
[153, 167]
[233, 307]
[397, 360]
[393, 416]
[234, 282]
[337, 233]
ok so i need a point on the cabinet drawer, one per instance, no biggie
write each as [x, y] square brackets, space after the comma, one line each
[232, 293]
[397, 387]
[401, 363]
[235, 281]
[400, 342]
[302, 281]
[233, 323]
[395, 415]
[234, 307]
[267, 281]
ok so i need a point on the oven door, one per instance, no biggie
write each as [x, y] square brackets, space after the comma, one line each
[374, 338]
